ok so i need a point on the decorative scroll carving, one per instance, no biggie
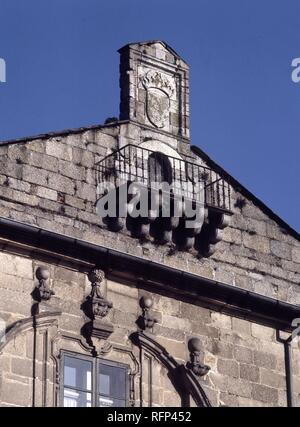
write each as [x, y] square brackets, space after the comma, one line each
[194, 346]
[43, 291]
[146, 321]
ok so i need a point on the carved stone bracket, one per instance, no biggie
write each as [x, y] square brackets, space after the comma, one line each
[43, 292]
[212, 232]
[97, 307]
[195, 365]
[146, 321]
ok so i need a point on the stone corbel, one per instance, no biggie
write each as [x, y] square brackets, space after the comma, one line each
[146, 321]
[212, 232]
[42, 292]
[195, 365]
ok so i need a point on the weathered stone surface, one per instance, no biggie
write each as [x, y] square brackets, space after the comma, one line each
[58, 149]
[16, 393]
[243, 354]
[228, 367]
[264, 360]
[280, 249]
[264, 394]
[249, 372]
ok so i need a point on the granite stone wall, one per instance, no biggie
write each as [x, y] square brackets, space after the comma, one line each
[246, 360]
[50, 182]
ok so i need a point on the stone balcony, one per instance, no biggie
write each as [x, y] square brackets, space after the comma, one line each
[163, 198]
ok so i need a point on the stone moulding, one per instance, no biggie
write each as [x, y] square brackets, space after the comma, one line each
[45, 319]
[210, 293]
[186, 383]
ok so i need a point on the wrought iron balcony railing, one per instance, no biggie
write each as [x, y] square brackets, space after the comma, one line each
[149, 168]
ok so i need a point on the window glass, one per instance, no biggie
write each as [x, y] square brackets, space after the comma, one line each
[106, 401]
[74, 398]
[112, 381]
[80, 389]
[77, 373]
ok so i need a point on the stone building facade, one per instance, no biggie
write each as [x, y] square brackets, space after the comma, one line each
[115, 311]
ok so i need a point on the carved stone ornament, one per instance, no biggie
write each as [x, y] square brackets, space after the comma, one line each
[159, 87]
[195, 365]
[146, 321]
[97, 307]
[43, 291]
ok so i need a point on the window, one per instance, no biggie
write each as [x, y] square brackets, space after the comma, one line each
[88, 382]
[159, 167]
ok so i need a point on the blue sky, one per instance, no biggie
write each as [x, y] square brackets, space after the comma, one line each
[62, 72]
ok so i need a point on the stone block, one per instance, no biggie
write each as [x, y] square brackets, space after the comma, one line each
[58, 149]
[264, 360]
[222, 349]
[239, 387]
[281, 249]
[272, 379]
[257, 242]
[194, 312]
[241, 326]
[220, 320]
[83, 158]
[61, 183]
[264, 394]
[228, 367]
[296, 254]
[35, 175]
[22, 366]
[46, 193]
[86, 191]
[249, 372]
[16, 393]
[262, 332]
[243, 354]
[42, 161]
[71, 170]
[227, 399]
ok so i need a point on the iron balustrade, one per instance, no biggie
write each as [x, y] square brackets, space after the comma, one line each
[150, 168]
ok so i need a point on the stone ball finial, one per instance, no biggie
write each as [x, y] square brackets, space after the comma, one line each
[194, 344]
[42, 273]
[146, 302]
[96, 275]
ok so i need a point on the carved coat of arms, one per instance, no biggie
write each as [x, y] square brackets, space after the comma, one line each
[160, 87]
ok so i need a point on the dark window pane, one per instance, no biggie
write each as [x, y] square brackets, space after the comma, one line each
[74, 398]
[104, 384]
[106, 402]
[112, 381]
[77, 373]
[159, 168]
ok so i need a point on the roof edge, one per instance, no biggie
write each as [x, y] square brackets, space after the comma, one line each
[62, 132]
[243, 190]
[149, 42]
